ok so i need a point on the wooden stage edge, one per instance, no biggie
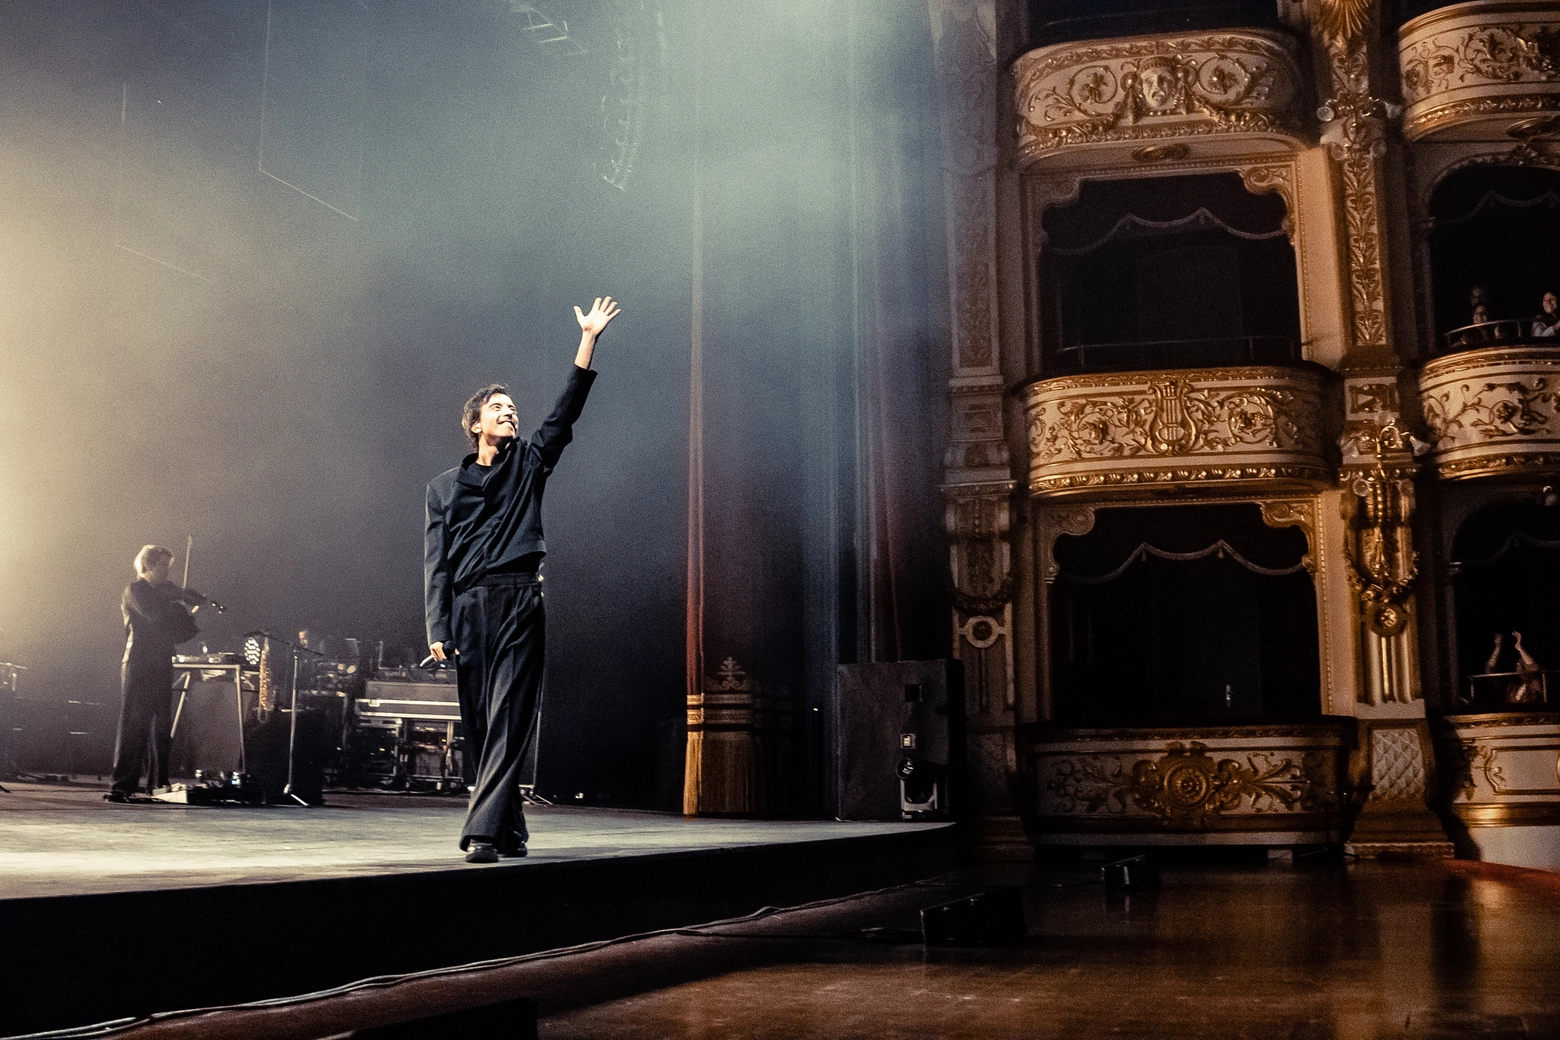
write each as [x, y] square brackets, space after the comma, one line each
[119, 912]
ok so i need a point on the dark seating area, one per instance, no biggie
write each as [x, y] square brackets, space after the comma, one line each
[1060, 21]
[1168, 272]
[1495, 258]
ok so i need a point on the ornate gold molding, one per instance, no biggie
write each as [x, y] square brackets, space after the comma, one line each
[1493, 412]
[1250, 425]
[1220, 779]
[1187, 787]
[1052, 524]
[1158, 88]
[1355, 133]
[1378, 547]
[978, 522]
[1276, 177]
[1294, 512]
[1478, 110]
[1515, 815]
[1503, 770]
[978, 484]
[1341, 22]
[1469, 68]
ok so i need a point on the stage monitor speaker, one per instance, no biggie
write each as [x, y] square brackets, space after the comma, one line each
[899, 739]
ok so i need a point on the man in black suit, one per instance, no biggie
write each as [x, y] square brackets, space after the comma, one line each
[483, 598]
[157, 616]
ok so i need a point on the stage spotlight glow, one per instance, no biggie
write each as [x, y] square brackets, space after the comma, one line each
[252, 649]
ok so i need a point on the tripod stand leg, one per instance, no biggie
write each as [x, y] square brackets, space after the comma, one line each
[292, 735]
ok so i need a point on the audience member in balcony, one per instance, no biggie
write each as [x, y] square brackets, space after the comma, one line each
[1548, 321]
[1528, 687]
[1478, 297]
[1526, 683]
[1477, 331]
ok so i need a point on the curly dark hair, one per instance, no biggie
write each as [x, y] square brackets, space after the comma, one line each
[473, 409]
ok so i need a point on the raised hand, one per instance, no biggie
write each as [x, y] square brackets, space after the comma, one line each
[602, 312]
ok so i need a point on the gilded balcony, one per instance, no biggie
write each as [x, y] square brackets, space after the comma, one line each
[1254, 429]
[1473, 71]
[1277, 784]
[1146, 99]
[1492, 411]
[1502, 780]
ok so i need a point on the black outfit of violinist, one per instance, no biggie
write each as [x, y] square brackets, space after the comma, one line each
[482, 546]
[156, 618]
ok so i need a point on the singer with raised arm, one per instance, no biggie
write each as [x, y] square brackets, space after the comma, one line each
[482, 547]
[157, 615]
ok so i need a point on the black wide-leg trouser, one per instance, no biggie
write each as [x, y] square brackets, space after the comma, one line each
[500, 629]
[145, 723]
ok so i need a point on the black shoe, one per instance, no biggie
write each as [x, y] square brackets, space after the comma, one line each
[116, 796]
[514, 851]
[481, 852]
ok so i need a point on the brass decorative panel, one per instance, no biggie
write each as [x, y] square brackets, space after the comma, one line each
[1493, 412]
[1257, 428]
[1479, 70]
[1140, 96]
[1504, 769]
[1276, 784]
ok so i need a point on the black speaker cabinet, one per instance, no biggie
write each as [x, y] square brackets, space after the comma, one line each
[898, 739]
[209, 735]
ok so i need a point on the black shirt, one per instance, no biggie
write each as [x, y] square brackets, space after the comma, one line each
[487, 519]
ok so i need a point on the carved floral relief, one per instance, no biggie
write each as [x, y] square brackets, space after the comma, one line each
[1187, 787]
[1492, 54]
[1146, 88]
[1460, 66]
[1492, 410]
[1102, 426]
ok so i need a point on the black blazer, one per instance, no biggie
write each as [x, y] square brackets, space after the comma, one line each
[155, 621]
[477, 522]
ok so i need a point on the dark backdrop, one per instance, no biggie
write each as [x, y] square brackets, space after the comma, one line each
[257, 253]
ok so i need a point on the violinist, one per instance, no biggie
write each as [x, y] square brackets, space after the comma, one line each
[158, 615]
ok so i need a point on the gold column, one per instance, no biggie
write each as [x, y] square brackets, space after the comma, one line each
[1392, 769]
[978, 482]
[721, 774]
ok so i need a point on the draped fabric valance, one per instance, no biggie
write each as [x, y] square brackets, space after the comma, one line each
[1493, 203]
[1518, 539]
[1220, 549]
[1110, 210]
[1494, 191]
[1124, 537]
[1134, 226]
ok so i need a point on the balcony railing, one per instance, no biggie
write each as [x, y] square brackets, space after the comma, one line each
[1083, 19]
[1508, 332]
[1508, 691]
[1177, 353]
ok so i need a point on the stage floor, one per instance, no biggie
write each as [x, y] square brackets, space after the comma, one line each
[58, 840]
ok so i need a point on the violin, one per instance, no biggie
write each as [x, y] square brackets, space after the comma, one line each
[195, 598]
